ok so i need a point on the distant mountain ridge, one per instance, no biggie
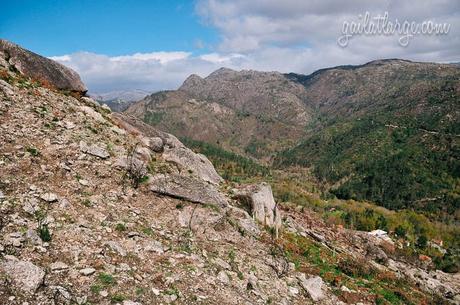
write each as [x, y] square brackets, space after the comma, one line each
[120, 100]
[350, 124]
[255, 113]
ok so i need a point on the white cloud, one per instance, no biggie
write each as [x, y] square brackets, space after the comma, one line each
[149, 71]
[162, 57]
[286, 36]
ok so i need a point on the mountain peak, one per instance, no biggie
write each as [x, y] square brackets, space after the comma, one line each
[221, 72]
[192, 81]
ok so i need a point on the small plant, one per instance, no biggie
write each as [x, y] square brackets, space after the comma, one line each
[33, 151]
[95, 289]
[116, 298]
[86, 202]
[44, 233]
[120, 227]
[106, 279]
[147, 231]
[232, 255]
[42, 227]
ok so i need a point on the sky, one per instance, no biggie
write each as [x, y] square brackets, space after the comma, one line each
[155, 45]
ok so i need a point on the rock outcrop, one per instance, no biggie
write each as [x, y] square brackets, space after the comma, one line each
[40, 68]
[193, 163]
[187, 188]
[258, 198]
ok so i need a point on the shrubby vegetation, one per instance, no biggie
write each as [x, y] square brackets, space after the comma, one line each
[300, 188]
[415, 230]
[230, 166]
[341, 270]
[396, 162]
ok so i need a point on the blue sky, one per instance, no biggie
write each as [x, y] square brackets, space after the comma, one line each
[112, 27]
[155, 45]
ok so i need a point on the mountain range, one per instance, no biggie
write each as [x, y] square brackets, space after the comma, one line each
[386, 131]
[121, 99]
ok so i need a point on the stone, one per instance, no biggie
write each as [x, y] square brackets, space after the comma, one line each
[156, 291]
[293, 291]
[116, 247]
[93, 114]
[87, 271]
[24, 275]
[143, 153]
[222, 264]
[127, 302]
[49, 197]
[83, 182]
[32, 237]
[155, 144]
[258, 198]
[187, 188]
[31, 206]
[61, 291]
[42, 69]
[313, 286]
[15, 239]
[58, 266]
[381, 235]
[222, 276]
[252, 282]
[195, 164]
[154, 246]
[69, 125]
[5, 87]
[94, 150]
[103, 293]
[2, 196]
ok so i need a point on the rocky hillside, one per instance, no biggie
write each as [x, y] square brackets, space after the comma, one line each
[100, 208]
[254, 113]
[387, 131]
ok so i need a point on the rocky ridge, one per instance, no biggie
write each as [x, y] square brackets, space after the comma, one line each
[40, 69]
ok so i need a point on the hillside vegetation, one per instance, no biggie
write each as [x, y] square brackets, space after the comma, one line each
[386, 132]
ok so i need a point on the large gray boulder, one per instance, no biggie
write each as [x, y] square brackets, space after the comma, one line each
[258, 198]
[314, 287]
[23, 274]
[40, 68]
[188, 188]
[191, 162]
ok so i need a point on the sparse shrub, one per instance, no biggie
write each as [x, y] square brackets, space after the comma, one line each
[42, 228]
[95, 289]
[44, 232]
[33, 151]
[422, 242]
[120, 227]
[106, 279]
[356, 268]
[117, 298]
